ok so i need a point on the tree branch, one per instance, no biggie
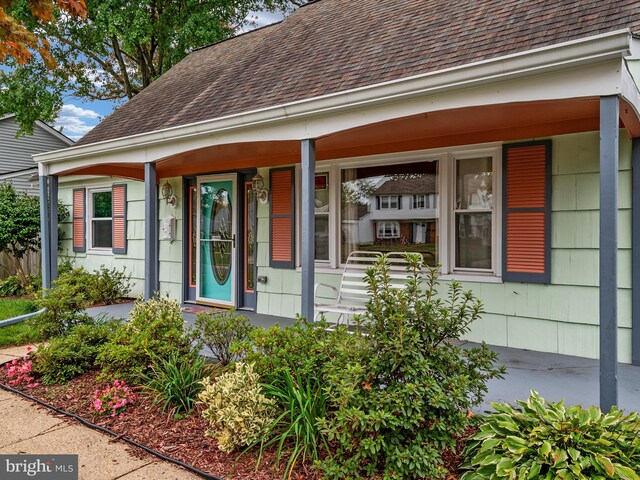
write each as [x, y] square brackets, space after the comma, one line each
[123, 67]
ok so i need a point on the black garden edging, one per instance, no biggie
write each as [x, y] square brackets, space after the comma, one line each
[93, 426]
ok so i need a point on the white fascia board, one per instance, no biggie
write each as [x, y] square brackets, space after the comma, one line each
[629, 89]
[599, 48]
[588, 80]
[52, 131]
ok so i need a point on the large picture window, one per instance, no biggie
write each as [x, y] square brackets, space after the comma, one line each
[101, 219]
[443, 204]
[377, 213]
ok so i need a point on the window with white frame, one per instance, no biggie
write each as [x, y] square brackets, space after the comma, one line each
[473, 214]
[421, 201]
[388, 229]
[387, 202]
[100, 219]
[448, 210]
[322, 217]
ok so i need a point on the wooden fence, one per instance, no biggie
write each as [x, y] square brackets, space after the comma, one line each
[30, 264]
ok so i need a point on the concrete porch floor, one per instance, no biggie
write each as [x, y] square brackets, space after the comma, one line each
[553, 376]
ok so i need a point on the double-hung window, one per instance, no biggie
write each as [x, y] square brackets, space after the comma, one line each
[421, 201]
[388, 202]
[101, 219]
[388, 229]
[322, 216]
[473, 214]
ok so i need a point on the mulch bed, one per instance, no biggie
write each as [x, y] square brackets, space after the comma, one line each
[182, 439]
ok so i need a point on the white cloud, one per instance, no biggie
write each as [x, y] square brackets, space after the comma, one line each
[76, 121]
[69, 110]
[260, 19]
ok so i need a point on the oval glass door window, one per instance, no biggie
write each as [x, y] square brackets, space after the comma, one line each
[220, 233]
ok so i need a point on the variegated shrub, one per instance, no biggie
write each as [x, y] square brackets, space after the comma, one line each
[237, 410]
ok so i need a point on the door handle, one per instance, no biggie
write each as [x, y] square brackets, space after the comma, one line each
[233, 241]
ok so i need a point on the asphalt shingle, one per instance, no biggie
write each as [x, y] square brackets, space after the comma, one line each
[336, 45]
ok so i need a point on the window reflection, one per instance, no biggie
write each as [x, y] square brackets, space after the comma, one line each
[390, 208]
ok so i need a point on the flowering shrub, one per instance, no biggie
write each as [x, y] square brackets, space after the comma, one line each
[113, 400]
[20, 371]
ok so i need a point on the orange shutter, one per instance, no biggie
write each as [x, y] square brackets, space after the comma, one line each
[79, 219]
[527, 212]
[119, 193]
[282, 218]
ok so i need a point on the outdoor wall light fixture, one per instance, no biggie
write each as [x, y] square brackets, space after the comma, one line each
[167, 194]
[257, 185]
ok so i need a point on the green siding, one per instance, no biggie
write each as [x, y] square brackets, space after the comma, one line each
[561, 317]
[170, 252]
[133, 261]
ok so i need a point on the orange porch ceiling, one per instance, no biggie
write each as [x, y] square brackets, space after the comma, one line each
[447, 128]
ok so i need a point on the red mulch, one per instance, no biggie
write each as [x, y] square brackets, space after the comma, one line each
[182, 439]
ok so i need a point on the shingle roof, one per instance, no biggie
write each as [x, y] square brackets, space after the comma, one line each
[336, 45]
[407, 184]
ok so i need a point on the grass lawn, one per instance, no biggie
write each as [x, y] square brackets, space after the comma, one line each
[20, 333]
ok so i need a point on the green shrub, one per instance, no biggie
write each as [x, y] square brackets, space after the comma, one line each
[176, 381]
[74, 291]
[154, 329]
[296, 431]
[237, 410]
[11, 286]
[109, 285]
[399, 402]
[545, 440]
[219, 330]
[65, 302]
[303, 349]
[69, 356]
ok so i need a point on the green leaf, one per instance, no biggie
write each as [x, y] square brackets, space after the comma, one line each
[626, 473]
[545, 449]
[606, 464]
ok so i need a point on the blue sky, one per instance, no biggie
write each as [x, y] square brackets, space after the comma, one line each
[77, 117]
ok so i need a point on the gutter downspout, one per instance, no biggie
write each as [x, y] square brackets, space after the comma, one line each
[21, 318]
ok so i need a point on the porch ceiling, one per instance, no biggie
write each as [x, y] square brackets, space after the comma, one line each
[461, 126]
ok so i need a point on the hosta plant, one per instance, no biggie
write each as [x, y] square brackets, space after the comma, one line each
[546, 440]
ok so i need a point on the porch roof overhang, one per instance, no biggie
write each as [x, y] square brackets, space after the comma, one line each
[546, 91]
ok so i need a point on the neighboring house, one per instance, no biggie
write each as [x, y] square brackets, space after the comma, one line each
[16, 161]
[525, 114]
[404, 209]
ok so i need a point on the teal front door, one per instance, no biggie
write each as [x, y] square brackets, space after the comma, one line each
[217, 261]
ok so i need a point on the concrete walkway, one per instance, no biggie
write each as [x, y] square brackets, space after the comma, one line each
[27, 428]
